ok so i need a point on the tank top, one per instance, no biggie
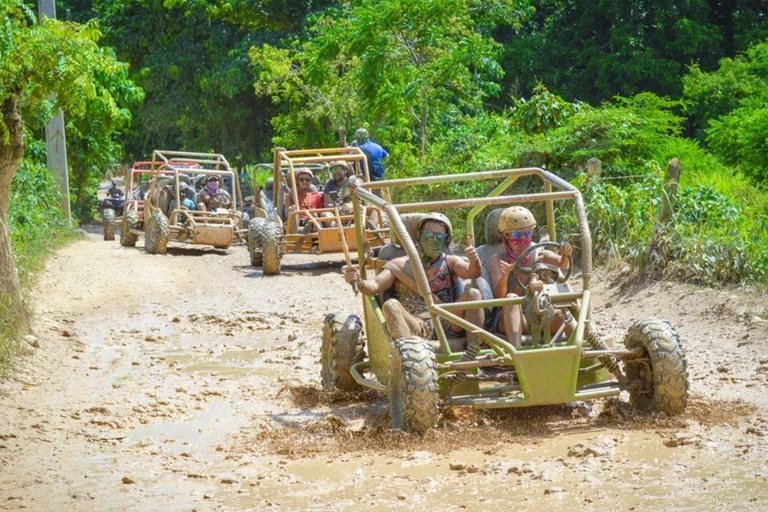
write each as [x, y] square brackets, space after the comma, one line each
[441, 284]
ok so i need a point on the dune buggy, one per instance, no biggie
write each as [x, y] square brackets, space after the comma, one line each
[421, 375]
[311, 230]
[171, 209]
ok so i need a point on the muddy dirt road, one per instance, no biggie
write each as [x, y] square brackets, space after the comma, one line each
[191, 382]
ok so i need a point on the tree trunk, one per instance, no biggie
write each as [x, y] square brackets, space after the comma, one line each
[423, 130]
[10, 156]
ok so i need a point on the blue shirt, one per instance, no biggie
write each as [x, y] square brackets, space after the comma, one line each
[374, 154]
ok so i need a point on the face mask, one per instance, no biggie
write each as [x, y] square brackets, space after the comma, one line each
[432, 247]
[213, 186]
[515, 247]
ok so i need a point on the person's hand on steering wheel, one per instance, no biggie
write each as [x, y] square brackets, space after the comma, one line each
[540, 268]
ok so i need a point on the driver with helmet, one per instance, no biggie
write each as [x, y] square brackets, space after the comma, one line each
[212, 196]
[517, 225]
[406, 313]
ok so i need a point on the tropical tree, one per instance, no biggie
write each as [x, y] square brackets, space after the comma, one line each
[402, 65]
[36, 61]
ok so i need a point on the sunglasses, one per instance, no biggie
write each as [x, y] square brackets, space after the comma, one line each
[440, 237]
[519, 235]
[304, 180]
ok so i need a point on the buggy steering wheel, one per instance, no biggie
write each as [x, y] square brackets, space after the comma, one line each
[221, 200]
[541, 268]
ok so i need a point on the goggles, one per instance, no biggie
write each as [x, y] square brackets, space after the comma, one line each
[519, 235]
[440, 237]
[305, 180]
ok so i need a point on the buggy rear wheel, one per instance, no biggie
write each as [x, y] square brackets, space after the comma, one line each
[130, 220]
[413, 390]
[255, 240]
[661, 374]
[108, 218]
[272, 252]
[342, 347]
[157, 234]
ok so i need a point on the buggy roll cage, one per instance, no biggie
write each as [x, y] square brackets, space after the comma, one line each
[210, 164]
[555, 189]
[290, 160]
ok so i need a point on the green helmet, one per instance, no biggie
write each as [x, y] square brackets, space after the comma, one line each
[435, 217]
[361, 133]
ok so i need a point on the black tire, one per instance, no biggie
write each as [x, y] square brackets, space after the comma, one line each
[255, 240]
[663, 370]
[272, 252]
[130, 220]
[108, 218]
[413, 390]
[156, 234]
[342, 347]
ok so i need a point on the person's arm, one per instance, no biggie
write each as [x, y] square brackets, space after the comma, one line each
[379, 284]
[471, 269]
[561, 260]
[288, 200]
[500, 271]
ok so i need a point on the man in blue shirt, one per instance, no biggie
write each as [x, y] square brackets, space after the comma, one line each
[373, 153]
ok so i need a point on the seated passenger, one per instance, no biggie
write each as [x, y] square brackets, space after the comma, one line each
[307, 200]
[406, 314]
[337, 187]
[187, 203]
[212, 197]
[517, 225]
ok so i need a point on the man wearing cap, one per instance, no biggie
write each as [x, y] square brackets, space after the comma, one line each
[374, 153]
[406, 313]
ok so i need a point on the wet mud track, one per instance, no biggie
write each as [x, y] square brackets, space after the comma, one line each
[191, 382]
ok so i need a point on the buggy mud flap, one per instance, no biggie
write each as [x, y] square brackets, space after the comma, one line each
[217, 235]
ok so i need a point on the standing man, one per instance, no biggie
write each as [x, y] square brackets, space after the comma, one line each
[373, 153]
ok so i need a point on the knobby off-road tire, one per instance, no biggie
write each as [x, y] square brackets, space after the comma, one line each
[413, 390]
[272, 252]
[130, 220]
[255, 240]
[663, 371]
[156, 234]
[342, 347]
[108, 218]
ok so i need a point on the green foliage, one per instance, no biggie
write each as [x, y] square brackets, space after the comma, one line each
[36, 223]
[410, 66]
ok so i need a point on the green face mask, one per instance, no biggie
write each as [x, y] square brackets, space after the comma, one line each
[432, 244]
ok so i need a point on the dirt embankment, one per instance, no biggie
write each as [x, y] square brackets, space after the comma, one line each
[191, 381]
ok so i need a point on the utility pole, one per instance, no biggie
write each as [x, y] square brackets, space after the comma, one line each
[55, 138]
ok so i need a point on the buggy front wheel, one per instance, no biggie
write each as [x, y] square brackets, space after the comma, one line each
[342, 348]
[413, 390]
[659, 378]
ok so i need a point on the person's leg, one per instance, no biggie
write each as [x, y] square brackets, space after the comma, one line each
[474, 316]
[400, 322]
[513, 322]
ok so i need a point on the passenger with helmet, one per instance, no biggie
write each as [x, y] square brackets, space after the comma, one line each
[406, 313]
[307, 200]
[199, 182]
[337, 187]
[517, 226]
